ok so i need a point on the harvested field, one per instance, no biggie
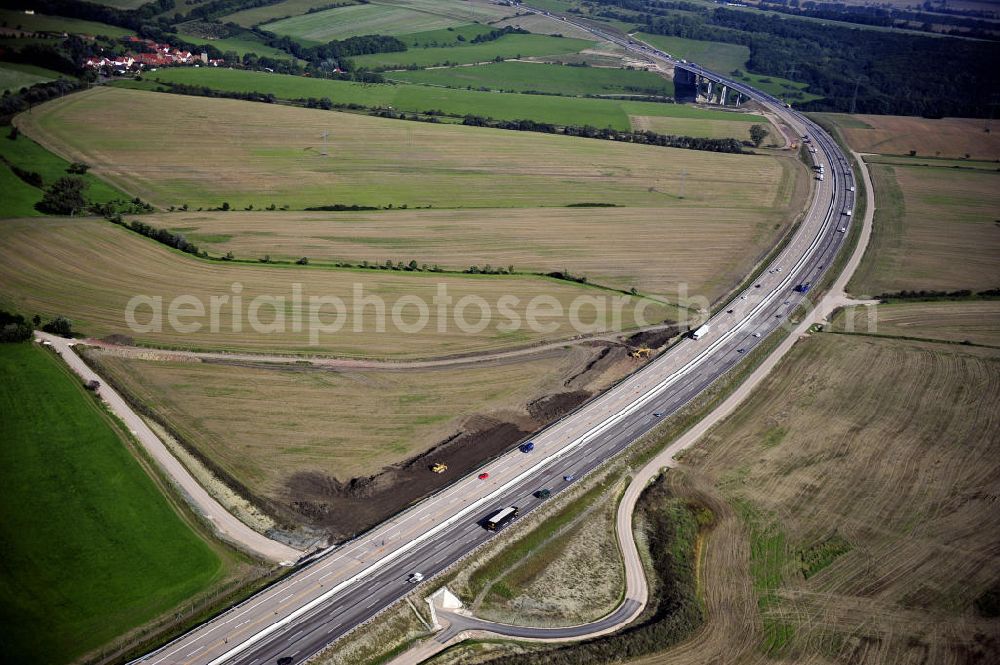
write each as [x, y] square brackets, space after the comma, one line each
[737, 127]
[898, 135]
[354, 20]
[646, 248]
[506, 47]
[544, 25]
[273, 156]
[389, 17]
[279, 10]
[341, 449]
[88, 270]
[977, 322]
[934, 229]
[861, 481]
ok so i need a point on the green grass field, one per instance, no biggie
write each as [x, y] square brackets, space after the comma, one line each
[122, 4]
[736, 126]
[509, 46]
[558, 79]
[453, 36]
[19, 198]
[14, 76]
[717, 56]
[240, 45]
[280, 10]
[90, 547]
[415, 98]
[26, 154]
[45, 23]
[792, 91]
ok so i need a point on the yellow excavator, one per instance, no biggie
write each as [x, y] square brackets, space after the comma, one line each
[439, 467]
[642, 352]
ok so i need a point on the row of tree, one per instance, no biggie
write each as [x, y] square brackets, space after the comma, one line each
[16, 328]
[175, 240]
[643, 137]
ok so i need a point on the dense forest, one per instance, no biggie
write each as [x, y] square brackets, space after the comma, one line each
[866, 71]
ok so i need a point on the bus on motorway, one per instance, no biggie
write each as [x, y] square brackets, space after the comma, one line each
[501, 518]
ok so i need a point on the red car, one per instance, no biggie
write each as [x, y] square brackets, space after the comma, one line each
[484, 476]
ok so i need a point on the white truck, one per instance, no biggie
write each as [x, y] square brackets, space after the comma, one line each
[700, 331]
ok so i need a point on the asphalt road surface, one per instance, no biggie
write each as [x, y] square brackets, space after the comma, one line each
[348, 585]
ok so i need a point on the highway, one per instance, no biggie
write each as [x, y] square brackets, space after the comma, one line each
[348, 585]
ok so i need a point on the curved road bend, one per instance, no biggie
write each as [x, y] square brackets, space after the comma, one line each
[224, 523]
[348, 585]
[636, 589]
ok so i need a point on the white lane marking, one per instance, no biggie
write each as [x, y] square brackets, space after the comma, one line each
[593, 432]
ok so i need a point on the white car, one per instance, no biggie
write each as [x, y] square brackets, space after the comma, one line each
[416, 577]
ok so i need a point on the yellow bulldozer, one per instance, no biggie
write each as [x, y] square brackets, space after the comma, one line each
[439, 467]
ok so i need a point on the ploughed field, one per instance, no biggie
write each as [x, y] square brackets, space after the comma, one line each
[89, 270]
[899, 135]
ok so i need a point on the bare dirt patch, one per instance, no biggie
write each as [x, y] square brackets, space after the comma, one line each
[342, 450]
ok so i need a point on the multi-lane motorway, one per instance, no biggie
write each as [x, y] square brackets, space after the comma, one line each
[348, 585]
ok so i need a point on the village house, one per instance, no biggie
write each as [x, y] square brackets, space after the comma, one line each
[157, 55]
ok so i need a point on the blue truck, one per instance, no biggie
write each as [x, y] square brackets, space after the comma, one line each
[527, 447]
[803, 288]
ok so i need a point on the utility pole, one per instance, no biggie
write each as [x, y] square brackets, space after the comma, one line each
[325, 152]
